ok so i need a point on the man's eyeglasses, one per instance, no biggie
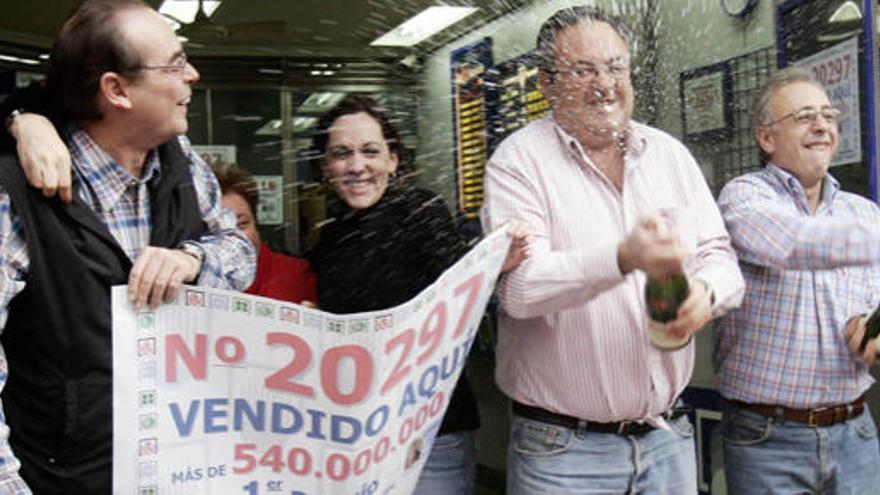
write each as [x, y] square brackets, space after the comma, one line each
[588, 72]
[176, 68]
[807, 116]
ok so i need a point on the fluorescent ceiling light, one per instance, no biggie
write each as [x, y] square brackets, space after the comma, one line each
[320, 102]
[28, 61]
[301, 124]
[185, 10]
[273, 127]
[831, 38]
[424, 25]
[242, 118]
[847, 12]
[270, 128]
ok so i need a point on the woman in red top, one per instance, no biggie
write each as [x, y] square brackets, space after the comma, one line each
[279, 276]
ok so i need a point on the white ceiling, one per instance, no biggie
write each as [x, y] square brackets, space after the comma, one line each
[290, 28]
[274, 42]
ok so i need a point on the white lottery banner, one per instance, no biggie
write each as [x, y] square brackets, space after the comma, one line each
[225, 393]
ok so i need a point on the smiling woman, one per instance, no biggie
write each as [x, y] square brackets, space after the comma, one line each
[387, 242]
[358, 161]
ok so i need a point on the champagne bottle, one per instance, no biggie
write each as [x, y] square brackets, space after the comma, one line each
[663, 298]
[872, 328]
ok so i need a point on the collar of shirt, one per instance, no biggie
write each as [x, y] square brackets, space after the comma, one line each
[793, 186]
[635, 142]
[100, 175]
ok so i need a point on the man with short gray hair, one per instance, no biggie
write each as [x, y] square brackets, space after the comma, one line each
[792, 366]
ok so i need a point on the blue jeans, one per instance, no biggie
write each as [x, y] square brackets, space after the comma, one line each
[547, 459]
[450, 466]
[764, 455]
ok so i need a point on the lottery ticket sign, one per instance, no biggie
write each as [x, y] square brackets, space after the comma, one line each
[218, 154]
[224, 393]
[837, 69]
[270, 209]
[469, 108]
[519, 93]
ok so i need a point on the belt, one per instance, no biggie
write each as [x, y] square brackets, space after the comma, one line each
[821, 416]
[616, 427]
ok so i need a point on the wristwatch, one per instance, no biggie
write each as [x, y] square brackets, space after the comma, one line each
[195, 250]
[12, 115]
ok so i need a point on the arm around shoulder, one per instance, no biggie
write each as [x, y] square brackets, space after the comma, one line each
[230, 258]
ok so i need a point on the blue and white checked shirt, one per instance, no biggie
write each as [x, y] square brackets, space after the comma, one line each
[122, 201]
[806, 275]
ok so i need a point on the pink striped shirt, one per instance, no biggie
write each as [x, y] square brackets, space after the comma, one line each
[573, 332]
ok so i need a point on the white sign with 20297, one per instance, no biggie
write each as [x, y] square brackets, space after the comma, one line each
[225, 393]
[837, 69]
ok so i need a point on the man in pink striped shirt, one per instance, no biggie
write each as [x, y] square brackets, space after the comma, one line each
[594, 403]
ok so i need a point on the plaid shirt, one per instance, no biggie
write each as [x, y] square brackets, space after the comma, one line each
[806, 275]
[122, 202]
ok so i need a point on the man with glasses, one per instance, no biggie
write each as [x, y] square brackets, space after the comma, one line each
[595, 405]
[792, 369]
[145, 212]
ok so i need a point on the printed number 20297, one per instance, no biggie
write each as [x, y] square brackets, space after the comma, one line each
[429, 338]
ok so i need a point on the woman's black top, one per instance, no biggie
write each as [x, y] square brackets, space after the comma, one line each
[385, 255]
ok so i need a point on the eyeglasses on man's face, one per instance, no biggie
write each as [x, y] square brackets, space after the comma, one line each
[176, 67]
[807, 116]
[587, 72]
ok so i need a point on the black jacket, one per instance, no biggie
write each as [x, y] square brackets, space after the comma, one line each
[384, 256]
[58, 397]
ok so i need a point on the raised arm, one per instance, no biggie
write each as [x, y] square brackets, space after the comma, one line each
[43, 155]
[230, 258]
[767, 232]
[41, 151]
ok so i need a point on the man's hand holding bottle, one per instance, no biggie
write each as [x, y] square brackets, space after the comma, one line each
[861, 335]
[676, 309]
